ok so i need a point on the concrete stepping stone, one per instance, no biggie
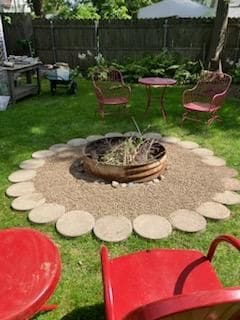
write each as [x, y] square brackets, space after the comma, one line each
[32, 164]
[75, 223]
[19, 189]
[231, 184]
[77, 142]
[227, 197]
[152, 226]
[67, 147]
[113, 134]
[152, 135]
[42, 154]
[169, 139]
[68, 154]
[188, 144]
[203, 152]
[226, 172]
[213, 210]
[214, 161]
[28, 202]
[94, 137]
[113, 228]
[46, 213]
[22, 175]
[132, 134]
[188, 221]
[55, 147]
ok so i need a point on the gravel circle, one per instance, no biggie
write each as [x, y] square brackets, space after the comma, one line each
[177, 190]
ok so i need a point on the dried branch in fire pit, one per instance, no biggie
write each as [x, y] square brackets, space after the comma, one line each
[130, 151]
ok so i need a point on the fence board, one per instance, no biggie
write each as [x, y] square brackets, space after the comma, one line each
[63, 40]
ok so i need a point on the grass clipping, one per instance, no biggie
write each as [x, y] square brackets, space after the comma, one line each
[131, 151]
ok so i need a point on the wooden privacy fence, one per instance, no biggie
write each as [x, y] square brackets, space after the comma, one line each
[63, 40]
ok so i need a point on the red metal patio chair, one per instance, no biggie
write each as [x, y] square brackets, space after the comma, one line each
[168, 284]
[30, 269]
[110, 89]
[207, 96]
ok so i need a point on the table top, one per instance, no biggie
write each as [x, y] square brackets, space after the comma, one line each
[29, 271]
[156, 81]
[20, 66]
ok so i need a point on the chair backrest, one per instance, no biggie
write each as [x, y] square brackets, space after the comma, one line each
[212, 83]
[223, 304]
[104, 81]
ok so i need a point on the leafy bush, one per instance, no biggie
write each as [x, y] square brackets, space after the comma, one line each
[164, 64]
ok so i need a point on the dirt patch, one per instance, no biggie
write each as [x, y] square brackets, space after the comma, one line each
[188, 182]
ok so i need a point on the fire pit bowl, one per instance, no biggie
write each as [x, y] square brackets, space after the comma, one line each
[149, 159]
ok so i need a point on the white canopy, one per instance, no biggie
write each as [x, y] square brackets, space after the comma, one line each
[179, 8]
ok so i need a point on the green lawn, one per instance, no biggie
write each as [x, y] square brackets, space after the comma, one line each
[38, 122]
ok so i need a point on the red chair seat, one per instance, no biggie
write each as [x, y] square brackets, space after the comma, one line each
[114, 101]
[200, 107]
[165, 273]
[29, 272]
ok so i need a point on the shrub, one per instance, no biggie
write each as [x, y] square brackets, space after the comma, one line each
[164, 64]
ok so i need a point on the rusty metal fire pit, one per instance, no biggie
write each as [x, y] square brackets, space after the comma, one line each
[136, 172]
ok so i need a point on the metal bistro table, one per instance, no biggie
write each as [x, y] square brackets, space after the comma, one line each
[19, 91]
[155, 82]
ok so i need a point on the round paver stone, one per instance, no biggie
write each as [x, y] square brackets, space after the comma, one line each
[188, 221]
[55, 147]
[42, 154]
[28, 202]
[19, 189]
[132, 134]
[226, 172]
[152, 226]
[77, 142]
[94, 137]
[46, 213]
[75, 223]
[68, 154]
[214, 161]
[188, 144]
[32, 164]
[113, 134]
[203, 152]
[22, 175]
[113, 228]
[227, 197]
[231, 184]
[152, 135]
[213, 210]
[169, 139]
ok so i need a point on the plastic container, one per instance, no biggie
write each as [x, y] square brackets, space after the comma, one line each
[4, 100]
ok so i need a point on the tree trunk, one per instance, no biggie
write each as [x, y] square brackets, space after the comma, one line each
[218, 35]
[37, 7]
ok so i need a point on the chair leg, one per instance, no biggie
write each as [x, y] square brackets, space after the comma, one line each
[101, 110]
[184, 117]
[214, 117]
[48, 307]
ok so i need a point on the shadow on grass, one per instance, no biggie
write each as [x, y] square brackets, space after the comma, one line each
[94, 312]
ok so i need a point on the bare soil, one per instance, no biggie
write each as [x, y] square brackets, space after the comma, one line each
[187, 183]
